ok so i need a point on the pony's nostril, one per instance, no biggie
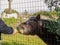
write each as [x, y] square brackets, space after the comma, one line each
[17, 28]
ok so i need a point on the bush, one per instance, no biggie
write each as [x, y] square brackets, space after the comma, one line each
[57, 9]
[45, 13]
[51, 14]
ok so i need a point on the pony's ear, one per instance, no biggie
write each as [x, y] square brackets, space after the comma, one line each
[38, 17]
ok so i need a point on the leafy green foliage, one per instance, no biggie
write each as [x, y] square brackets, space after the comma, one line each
[45, 13]
[51, 25]
[52, 3]
[58, 11]
[51, 14]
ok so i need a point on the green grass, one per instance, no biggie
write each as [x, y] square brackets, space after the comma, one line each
[20, 39]
[12, 22]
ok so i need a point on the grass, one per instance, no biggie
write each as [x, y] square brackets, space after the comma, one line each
[20, 39]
